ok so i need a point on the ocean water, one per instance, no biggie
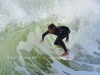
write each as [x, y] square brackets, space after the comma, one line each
[22, 23]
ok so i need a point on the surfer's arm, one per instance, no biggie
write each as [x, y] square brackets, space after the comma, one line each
[67, 36]
[44, 34]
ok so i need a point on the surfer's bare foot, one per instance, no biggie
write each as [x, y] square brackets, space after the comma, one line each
[65, 53]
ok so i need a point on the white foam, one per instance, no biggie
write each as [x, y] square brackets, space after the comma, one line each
[82, 17]
[59, 67]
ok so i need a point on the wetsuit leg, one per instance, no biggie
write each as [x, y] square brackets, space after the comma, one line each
[59, 41]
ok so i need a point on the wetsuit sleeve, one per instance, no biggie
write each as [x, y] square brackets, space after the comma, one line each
[44, 34]
[66, 30]
[67, 37]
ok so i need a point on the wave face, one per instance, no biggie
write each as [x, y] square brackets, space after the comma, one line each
[22, 23]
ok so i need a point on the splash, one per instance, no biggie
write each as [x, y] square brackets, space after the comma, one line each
[22, 23]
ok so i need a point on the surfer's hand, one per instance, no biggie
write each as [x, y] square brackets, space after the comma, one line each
[41, 40]
[67, 40]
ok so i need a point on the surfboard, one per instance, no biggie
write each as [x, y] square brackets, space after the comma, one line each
[66, 57]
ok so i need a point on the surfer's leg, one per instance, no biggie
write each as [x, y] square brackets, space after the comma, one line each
[59, 41]
[60, 38]
[63, 45]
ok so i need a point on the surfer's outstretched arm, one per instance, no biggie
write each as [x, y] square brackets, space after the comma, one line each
[43, 35]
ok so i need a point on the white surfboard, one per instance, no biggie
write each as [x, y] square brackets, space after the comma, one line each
[66, 57]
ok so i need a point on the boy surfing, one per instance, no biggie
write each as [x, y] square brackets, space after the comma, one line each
[61, 32]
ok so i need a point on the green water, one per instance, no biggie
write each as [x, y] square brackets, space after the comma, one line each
[22, 23]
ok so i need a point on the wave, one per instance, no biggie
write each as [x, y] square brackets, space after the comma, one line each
[22, 23]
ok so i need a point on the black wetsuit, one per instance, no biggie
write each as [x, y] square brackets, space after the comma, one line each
[61, 32]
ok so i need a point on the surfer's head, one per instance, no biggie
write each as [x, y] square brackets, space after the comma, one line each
[51, 28]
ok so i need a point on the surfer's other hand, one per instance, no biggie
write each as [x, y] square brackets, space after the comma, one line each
[67, 40]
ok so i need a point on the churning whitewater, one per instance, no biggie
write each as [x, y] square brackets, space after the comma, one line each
[22, 23]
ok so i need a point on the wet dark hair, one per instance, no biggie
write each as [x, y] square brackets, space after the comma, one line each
[52, 26]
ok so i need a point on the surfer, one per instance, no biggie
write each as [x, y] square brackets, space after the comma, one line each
[61, 32]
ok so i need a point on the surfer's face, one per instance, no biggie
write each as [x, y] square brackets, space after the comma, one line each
[51, 31]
